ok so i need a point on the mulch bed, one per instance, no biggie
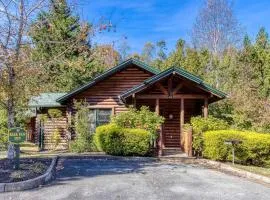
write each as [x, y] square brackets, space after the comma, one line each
[29, 168]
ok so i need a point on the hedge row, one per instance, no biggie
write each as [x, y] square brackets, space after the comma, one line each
[122, 141]
[254, 149]
[201, 125]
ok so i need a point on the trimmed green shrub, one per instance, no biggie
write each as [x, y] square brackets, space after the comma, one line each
[254, 149]
[109, 138]
[115, 140]
[136, 142]
[200, 125]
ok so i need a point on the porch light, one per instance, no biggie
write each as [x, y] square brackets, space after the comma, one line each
[170, 116]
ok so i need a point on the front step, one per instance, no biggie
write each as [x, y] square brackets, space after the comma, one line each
[173, 152]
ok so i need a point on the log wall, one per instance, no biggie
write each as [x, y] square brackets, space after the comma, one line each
[106, 92]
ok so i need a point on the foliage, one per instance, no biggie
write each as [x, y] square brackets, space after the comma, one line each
[83, 140]
[255, 147]
[109, 138]
[148, 52]
[55, 113]
[3, 130]
[136, 142]
[115, 140]
[142, 119]
[200, 125]
[62, 46]
[56, 138]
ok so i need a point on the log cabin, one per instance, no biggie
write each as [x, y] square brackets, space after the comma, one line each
[175, 94]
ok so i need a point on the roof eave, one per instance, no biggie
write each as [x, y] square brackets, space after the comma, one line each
[180, 72]
[106, 74]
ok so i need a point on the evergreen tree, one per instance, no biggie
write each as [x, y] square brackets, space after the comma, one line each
[61, 45]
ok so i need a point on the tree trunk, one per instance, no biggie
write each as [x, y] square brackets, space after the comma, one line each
[11, 123]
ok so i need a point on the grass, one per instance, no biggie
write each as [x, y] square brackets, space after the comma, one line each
[254, 169]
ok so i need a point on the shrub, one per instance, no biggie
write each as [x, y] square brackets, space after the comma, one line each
[84, 139]
[3, 130]
[141, 119]
[200, 125]
[115, 140]
[109, 138]
[55, 138]
[254, 149]
[136, 142]
[55, 113]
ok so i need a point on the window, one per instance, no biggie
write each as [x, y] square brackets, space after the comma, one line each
[99, 117]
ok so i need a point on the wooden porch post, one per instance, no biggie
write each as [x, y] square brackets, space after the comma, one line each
[160, 142]
[157, 106]
[182, 114]
[134, 100]
[205, 108]
[182, 118]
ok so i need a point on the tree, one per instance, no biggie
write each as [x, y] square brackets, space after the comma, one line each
[124, 49]
[176, 58]
[106, 55]
[216, 27]
[59, 32]
[15, 20]
[161, 53]
[148, 52]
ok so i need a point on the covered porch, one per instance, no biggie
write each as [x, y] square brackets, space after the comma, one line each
[177, 97]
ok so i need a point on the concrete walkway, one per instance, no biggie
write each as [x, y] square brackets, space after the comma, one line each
[140, 179]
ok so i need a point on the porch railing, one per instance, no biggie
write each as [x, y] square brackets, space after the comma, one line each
[186, 140]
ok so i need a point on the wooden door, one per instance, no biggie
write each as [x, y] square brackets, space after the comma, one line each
[170, 109]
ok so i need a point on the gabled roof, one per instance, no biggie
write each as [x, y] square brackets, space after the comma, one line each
[168, 72]
[109, 73]
[46, 100]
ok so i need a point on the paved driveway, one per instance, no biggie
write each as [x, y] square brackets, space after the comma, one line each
[135, 179]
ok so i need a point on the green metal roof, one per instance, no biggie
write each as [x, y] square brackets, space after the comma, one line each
[46, 100]
[180, 72]
[109, 73]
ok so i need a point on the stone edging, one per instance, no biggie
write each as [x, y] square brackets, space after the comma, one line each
[235, 171]
[31, 183]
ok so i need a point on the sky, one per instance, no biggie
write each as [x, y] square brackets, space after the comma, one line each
[140, 21]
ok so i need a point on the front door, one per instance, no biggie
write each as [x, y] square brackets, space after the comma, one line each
[170, 109]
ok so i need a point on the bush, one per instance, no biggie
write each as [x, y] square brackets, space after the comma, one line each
[136, 142]
[141, 119]
[254, 149]
[200, 125]
[55, 113]
[109, 138]
[3, 130]
[115, 140]
[56, 138]
[83, 141]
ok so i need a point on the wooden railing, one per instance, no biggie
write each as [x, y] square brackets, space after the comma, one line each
[186, 140]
